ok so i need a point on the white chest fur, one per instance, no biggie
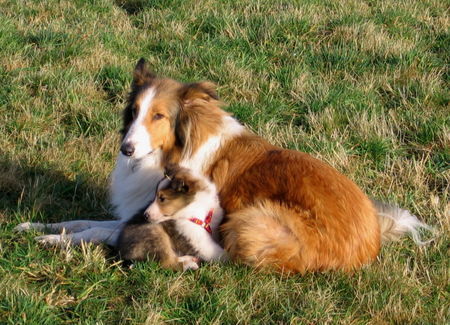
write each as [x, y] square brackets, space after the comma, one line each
[201, 240]
[133, 184]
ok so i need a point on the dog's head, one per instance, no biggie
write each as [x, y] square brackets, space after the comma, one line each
[157, 116]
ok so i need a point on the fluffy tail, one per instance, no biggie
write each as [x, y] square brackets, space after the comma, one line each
[395, 222]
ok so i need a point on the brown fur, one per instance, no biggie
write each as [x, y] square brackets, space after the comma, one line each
[285, 209]
[288, 209]
[180, 192]
[160, 242]
[198, 120]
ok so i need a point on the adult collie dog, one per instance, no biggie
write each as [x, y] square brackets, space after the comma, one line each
[284, 209]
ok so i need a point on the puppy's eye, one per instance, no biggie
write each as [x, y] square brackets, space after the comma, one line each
[157, 116]
[161, 198]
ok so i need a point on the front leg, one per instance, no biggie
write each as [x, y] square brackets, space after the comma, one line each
[68, 226]
[97, 235]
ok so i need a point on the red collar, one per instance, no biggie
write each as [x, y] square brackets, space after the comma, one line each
[205, 224]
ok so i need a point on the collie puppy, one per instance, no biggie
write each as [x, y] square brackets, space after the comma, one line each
[284, 209]
[180, 227]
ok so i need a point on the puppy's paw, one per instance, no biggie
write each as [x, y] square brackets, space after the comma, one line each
[27, 226]
[189, 262]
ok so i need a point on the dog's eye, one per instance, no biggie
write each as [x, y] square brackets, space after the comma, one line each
[157, 116]
[133, 112]
[161, 198]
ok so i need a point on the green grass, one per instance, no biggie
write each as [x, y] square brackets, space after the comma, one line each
[363, 85]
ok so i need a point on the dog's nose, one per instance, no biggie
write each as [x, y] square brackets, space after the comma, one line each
[127, 149]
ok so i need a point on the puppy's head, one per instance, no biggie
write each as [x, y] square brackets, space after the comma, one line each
[175, 192]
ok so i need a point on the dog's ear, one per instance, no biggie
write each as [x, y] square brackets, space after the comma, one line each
[204, 90]
[183, 125]
[193, 119]
[142, 74]
[178, 185]
[186, 121]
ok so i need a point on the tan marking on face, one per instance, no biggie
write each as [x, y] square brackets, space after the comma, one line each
[171, 201]
[158, 123]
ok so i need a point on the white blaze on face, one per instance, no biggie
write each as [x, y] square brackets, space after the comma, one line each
[154, 213]
[137, 135]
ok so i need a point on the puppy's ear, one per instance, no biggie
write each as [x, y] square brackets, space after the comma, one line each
[170, 170]
[185, 188]
[204, 90]
[142, 74]
[179, 186]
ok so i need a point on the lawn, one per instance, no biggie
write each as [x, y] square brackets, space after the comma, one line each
[362, 85]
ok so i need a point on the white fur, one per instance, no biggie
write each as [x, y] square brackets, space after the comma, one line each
[189, 262]
[67, 226]
[406, 222]
[93, 235]
[208, 249]
[133, 183]
[395, 222]
[155, 215]
[202, 158]
[138, 135]
[205, 243]
[134, 179]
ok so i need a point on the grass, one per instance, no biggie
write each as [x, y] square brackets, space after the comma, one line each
[363, 85]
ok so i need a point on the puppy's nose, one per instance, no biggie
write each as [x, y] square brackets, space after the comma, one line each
[127, 149]
[147, 216]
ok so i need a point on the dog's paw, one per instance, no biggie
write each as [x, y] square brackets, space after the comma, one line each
[51, 240]
[26, 226]
[189, 262]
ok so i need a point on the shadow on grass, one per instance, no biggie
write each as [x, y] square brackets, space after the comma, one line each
[134, 7]
[44, 193]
